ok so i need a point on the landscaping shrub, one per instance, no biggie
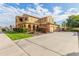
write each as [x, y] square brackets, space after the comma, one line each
[3, 30]
[74, 30]
[19, 30]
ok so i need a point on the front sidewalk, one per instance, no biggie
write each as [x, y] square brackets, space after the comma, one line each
[8, 47]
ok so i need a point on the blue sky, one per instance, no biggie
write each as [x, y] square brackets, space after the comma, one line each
[59, 11]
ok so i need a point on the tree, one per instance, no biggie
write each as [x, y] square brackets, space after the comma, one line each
[64, 24]
[73, 21]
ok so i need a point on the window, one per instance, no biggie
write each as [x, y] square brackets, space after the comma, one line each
[25, 19]
[20, 19]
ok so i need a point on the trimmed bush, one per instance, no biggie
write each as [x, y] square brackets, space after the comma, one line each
[19, 30]
[3, 30]
[74, 30]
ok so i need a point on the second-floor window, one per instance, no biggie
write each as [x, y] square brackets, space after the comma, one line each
[21, 19]
[25, 19]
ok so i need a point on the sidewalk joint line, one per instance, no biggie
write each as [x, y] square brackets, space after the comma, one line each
[23, 49]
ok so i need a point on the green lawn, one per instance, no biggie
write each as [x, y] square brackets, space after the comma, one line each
[17, 36]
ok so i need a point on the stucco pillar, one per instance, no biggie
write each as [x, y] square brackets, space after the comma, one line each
[35, 28]
[51, 28]
[26, 26]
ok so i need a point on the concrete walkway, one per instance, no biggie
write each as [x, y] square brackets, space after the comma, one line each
[8, 47]
[52, 44]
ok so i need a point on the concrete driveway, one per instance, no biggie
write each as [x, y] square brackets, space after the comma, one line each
[51, 44]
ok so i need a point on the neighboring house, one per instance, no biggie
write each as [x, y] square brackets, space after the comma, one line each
[45, 24]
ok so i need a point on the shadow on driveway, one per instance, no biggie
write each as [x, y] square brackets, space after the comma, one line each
[73, 54]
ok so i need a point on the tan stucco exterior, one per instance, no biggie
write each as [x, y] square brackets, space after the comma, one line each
[33, 23]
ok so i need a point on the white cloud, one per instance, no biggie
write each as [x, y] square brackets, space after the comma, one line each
[8, 16]
[39, 10]
[72, 11]
[57, 10]
[60, 18]
[18, 3]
